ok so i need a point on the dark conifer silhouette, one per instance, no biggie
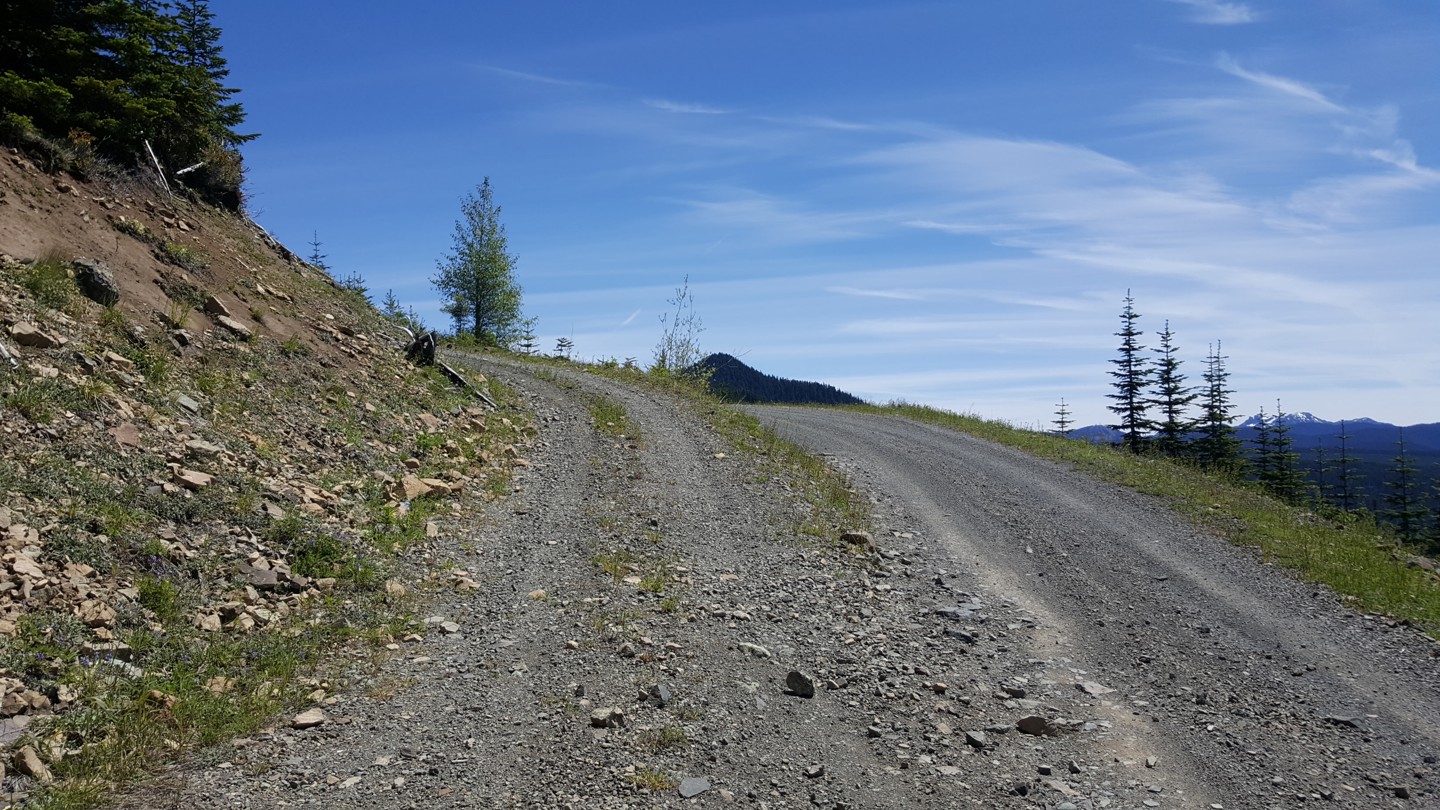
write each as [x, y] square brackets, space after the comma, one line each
[1132, 377]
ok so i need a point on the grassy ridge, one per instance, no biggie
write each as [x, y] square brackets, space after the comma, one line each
[1348, 552]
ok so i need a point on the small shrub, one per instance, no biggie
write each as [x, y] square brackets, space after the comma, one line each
[133, 227]
[38, 398]
[48, 280]
[193, 259]
[162, 597]
[295, 347]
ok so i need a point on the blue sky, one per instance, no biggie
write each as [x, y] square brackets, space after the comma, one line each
[941, 202]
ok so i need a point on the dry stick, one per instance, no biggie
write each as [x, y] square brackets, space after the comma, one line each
[158, 170]
[464, 383]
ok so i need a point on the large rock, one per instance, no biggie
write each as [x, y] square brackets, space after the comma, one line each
[235, 327]
[28, 334]
[215, 306]
[97, 282]
[800, 684]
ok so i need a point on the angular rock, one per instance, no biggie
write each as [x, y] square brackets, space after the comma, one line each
[657, 695]
[27, 761]
[309, 719]
[28, 334]
[754, 649]
[234, 327]
[203, 449]
[975, 739]
[1038, 726]
[96, 282]
[192, 479]
[215, 306]
[692, 786]
[409, 488]
[1093, 689]
[855, 537]
[260, 578]
[610, 717]
[800, 684]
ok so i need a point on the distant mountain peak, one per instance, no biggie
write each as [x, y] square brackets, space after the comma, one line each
[732, 379]
[1301, 418]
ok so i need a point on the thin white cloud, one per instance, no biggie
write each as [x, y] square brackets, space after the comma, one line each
[631, 319]
[1279, 84]
[773, 219]
[682, 107]
[536, 77]
[1219, 12]
[895, 295]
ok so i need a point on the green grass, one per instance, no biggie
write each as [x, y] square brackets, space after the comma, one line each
[191, 258]
[1349, 553]
[653, 780]
[666, 738]
[610, 418]
[48, 280]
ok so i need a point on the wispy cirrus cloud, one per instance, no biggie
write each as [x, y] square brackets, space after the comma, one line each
[1280, 84]
[893, 295]
[536, 77]
[682, 107]
[1219, 12]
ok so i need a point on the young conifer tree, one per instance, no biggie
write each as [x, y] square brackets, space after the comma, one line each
[1217, 447]
[1062, 419]
[1172, 397]
[481, 270]
[1132, 377]
[1278, 471]
[1346, 476]
[1406, 507]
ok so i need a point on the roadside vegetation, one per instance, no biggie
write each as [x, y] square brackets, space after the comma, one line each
[205, 538]
[1347, 551]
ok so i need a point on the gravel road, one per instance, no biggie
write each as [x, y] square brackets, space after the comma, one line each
[641, 624]
[1249, 688]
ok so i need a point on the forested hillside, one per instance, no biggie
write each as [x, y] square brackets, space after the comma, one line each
[85, 86]
[733, 380]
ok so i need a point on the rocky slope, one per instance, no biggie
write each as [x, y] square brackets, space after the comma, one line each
[213, 462]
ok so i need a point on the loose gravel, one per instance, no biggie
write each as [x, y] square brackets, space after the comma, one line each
[650, 629]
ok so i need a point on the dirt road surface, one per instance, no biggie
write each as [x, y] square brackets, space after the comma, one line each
[642, 622]
[1249, 688]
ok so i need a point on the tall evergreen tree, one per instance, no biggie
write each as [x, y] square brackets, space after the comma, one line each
[480, 269]
[1324, 489]
[1276, 468]
[1406, 509]
[1132, 376]
[110, 75]
[1217, 446]
[1172, 397]
[1346, 475]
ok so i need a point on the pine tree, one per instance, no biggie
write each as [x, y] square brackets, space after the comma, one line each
[1345, 473]
[460, 312]
[1324, 489]
[563, 347]
[1217, 446]
[1406, 508]
[317, 259]
[1172, 396]
[111, 75]
[1276, 467]
[480, 270]
[1132, 377]
[1062, 419]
